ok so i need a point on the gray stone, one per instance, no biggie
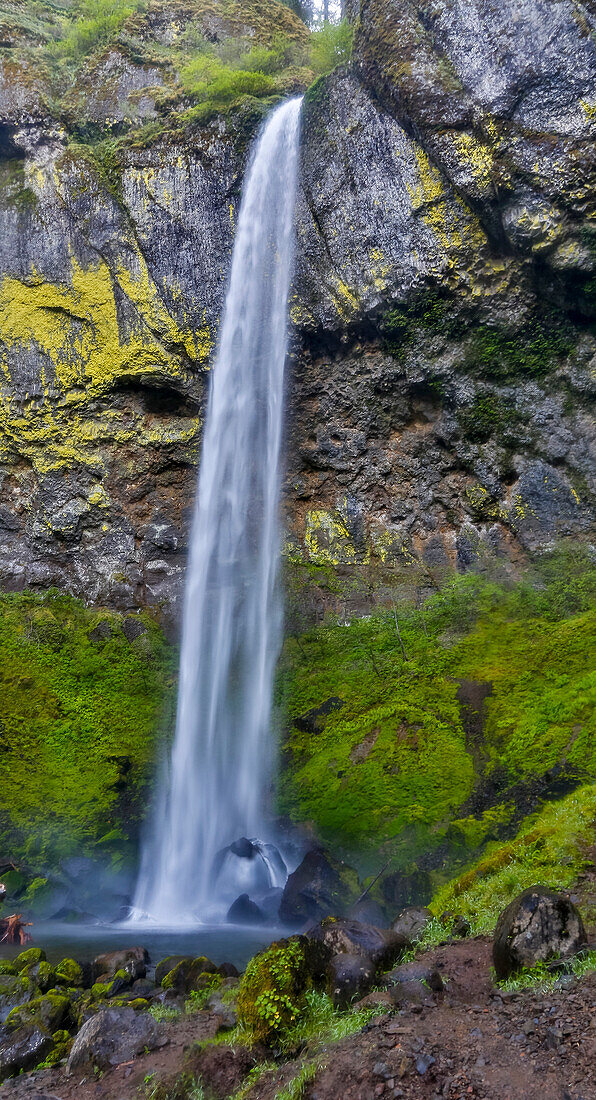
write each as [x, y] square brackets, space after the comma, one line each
[111, 1037]
[540, 924]
[22, 1049]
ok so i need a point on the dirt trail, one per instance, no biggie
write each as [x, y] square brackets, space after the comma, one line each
[469, 1042]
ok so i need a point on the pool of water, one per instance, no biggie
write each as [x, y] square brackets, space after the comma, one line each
[221, 943]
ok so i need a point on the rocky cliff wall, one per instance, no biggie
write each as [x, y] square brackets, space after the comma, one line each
[439, 397]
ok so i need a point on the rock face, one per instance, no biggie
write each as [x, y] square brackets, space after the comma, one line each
[439, 404]
[538, 925]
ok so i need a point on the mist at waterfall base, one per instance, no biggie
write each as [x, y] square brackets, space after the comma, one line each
[202, 851]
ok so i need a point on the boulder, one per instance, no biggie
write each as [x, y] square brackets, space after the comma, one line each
[30, 957]
[269, 904]
[69, 973]
[113, 1036]
[245, 911]
[228, 970]
[23, 1049]
[342, 936]
[411, 922]
[350, 977]
[186, 975]
[413, 983]
[48, 1013]
[319, 887]
[538, 925]
[167, 965]
[131, 959]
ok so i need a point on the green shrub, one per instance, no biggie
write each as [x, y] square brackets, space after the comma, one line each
[99, 22]
[272, 990]
[331, 46]
[208, 79]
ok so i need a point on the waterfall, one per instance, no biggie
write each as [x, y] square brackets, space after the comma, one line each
[219, 774]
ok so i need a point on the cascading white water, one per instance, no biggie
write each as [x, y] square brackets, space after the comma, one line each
[219, 772]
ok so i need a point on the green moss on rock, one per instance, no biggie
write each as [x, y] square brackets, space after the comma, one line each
[31, 957]
[69, 973]
[272, 989]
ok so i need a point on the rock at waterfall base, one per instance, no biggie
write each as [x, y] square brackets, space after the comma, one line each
[319, 887]
[245, 911]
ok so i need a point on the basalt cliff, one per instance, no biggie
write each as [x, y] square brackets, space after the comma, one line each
[442, 369]
[439, 415]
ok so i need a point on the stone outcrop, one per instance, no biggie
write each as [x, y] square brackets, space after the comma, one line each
[439, 405]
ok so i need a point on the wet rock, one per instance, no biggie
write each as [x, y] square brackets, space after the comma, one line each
[186, 975]
[343, 936]
[113, 1036]
[349, 977]
[69, 973]
[30, 957]
[49, 1013]
[23, 1049]
[245, 911]
[538, 925]
[167, 965]
[411, 922]
[319, 887]
[133, 628]
[132, 959]
[228, 970]
[269, 903]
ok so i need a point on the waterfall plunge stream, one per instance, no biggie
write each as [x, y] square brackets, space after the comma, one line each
[216, 787]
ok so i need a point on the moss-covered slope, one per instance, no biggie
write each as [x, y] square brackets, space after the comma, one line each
[83, 697]
[415, 731]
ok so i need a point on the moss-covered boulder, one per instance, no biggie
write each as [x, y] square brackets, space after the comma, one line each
[272, 989]
[43, 974]
[189, 975]
[69, 973]
[49, 1012]
[31, 957]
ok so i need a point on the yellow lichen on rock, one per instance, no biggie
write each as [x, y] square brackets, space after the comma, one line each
[86, 349]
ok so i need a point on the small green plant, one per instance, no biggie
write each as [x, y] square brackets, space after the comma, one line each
[272, 990]
[296, 1088]
[256, 1074]
[163, 1013]
[542, 978]
[331, 46]
[319, 1019]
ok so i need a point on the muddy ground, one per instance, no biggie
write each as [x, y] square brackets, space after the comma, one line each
[471, 1041]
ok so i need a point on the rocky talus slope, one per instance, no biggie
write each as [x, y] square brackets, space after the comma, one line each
[439, 402]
